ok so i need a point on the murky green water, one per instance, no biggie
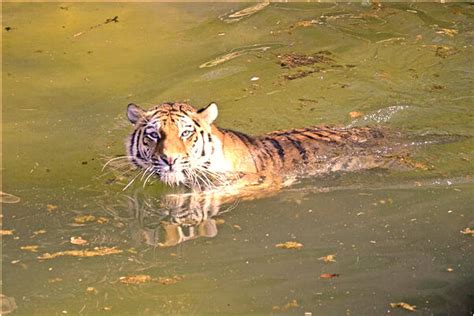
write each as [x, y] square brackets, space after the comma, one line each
[70, 69]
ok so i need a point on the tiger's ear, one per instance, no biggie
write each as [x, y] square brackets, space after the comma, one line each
[209, 113]
[134, 113]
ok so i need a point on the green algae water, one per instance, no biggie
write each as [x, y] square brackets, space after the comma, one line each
[74, 242]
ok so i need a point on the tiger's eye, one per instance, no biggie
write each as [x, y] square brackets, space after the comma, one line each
[186, 134]
[153, 135]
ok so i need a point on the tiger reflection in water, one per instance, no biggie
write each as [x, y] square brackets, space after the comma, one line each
[181, 146]
[176, 218]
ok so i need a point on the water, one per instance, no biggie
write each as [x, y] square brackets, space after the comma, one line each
[70, 69]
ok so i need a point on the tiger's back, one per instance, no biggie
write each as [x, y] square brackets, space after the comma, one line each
[315, 150]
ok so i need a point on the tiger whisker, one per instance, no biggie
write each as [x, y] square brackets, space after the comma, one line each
[149, 176]
[113, 159]
[131, 181]
[146, 170]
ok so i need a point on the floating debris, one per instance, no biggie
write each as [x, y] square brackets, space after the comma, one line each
[82, 219]
[102, 220]
[296, 60]
[8, 198]
[144, 278]
[290, 245]
[328, 275]
[301, 74]
[467, 231]
[446, 51]
[7, 304]
[78, 241]
[237, 227]
[98, 251]
[107, 21]
[114, 19]
[328, 258]
[403, 305]
[6, 232]
[91, 290]
[234, 54]
[55, 280]
[255, 78]
[169, 281]
[32, 248]
[136, 279]
[447, 32]
[237, 16]
[51, 207]
[306, 23]
[287, 306]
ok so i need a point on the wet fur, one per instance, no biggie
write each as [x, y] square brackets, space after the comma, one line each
[213, 156]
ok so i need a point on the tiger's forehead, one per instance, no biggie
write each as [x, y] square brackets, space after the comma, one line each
[172, 113]
[173, 108]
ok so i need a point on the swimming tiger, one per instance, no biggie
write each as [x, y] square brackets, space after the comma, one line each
[181, 145]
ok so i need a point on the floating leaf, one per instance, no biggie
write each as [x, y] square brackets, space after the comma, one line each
[136, 279]
[39, 232]
[6, 232]
[78, 241]
[84, 219]
[8, 198]
[237, 16]
[328, 275]
[7, 304]
[290, 245]
[404, 306]
[91, 290]
[448, 32]
[102, 220]
[51, 207]
[287, 306]
[467, 231]
[32, 248]
[168, 281]
[328, 258]
[54, 280]
[237, 227]
[97, 251]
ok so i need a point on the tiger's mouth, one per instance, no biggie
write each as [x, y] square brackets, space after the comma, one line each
[172, 177]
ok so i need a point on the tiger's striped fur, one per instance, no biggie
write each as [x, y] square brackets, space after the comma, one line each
[181, 145]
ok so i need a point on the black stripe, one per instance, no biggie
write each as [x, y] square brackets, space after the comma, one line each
[244, 138]
[137, 143]
[132, 142]
[203, 153]
[267, 153]
[280, 151]
[197, 124]
[300, 148]
[310, 136]
[211, 142]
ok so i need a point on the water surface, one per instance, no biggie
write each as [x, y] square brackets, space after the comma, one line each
[70, 69]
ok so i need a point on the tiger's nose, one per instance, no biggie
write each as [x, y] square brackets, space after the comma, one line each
[168, 159]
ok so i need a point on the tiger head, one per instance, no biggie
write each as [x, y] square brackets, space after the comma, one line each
[173, 141]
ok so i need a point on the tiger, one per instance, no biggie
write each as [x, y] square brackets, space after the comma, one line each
[181, 145]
